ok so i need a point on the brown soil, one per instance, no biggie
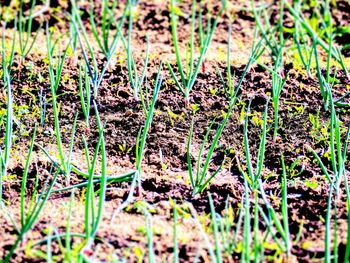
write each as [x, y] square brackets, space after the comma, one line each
[168, 177]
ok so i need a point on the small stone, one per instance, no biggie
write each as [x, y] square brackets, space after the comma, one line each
[128, 113]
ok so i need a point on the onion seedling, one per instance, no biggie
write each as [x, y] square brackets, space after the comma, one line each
[32, 216]
[254, 174]
[326, 82]
[275, 45]
[65, 162]
[43, 104]
[29, 216]
[5, 152]
[300, 41]
[282, 226]
[107, 22]
[214, 220]
[73, 33]
[55, 77]
[334, 175]
[330, 49]
[24, 180]
[268, 32]
[94, 213]
[95, 74]
[229, 233]
[251, 179]
[257, 50]
[92, 177]
[201, 178]
[246, 238]
[135, 80]
[338, 150]
[141, 143]
[85, 93]
[332, 198]
[141, 138]
[229, 84]
[189, 72]
[7, 60]
[25, 25]
[205, 238]
[68, 253]
[143, 206]
[279, 79]
[93, 217]
[176, 245]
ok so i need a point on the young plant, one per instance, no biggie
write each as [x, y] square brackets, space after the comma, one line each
[272, 220]
[43, 104]
[189, 71]
[246, 237]
[149, 230]
[229, 85]
[338, 150]
[92, 177]
[251, 181]
[32, 216]
[93, 216]
[135, 80]
[36, 203]
[176, 246]
[330, 49]
[141, 143]
[25, 25]
[85, 93]
[205, 237]
[215, 223]
[335, 175]
[327, 82]
[94, 212]
[256, 51]
[275, 41]
[55, 78]
[142, 136]
[68, 236]
[278, 81]
[73, 34]
[5, 150]
[202, 175]
[252, 174]
[64, 162]
[95, 74]
[272, 35]
[202, 178]
[254, 181]
[215, 251]
[300, 40]
[229, 228]
[107, 22]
